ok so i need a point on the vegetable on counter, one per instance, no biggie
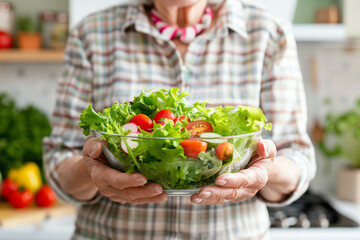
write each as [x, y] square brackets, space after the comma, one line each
[22, 131]
[21, 198]
[45, 197]
[28, 176]
[8, 187]
[176, 143]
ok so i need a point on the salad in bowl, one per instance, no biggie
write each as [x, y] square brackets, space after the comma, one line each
[180, 145]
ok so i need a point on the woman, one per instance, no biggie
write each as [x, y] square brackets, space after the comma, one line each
[232, 53]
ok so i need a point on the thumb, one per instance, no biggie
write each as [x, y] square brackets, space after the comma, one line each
[92, 148]
[266, 148]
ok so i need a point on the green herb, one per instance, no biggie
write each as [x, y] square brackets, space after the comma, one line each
[343, 130]
[21, 134]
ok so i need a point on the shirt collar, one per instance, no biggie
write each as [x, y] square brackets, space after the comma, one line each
[231, 16]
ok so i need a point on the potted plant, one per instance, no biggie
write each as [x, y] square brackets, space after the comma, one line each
[342, 139]
[28, 36]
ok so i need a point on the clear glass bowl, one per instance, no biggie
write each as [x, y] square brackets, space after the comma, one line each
[178, 174]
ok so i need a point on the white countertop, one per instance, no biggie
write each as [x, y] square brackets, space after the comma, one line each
[61, 228]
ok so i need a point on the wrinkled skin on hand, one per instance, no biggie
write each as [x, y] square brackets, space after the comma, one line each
[237, 187]
[119, 187]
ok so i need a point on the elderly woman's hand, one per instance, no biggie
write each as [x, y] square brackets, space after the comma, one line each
[236, 187]
[119, 187]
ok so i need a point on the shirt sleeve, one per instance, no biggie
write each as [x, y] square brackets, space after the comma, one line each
[284, 104]
[72, 96]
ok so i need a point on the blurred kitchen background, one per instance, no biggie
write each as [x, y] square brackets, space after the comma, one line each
[327, 33]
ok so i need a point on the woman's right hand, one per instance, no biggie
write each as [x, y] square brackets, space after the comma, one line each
[118, 186]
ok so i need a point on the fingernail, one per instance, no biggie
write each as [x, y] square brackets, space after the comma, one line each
[220, 182]
[164, 197]
[140, 181]
[205, 194]
[197, 200]
[156, 190]
[94, 150]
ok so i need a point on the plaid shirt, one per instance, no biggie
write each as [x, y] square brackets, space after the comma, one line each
[249, 57]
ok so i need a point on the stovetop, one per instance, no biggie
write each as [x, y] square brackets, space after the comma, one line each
[310, 211]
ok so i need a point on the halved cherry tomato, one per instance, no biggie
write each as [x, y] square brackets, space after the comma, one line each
[198, 127]
[21, 199]
[224, 150]
[45, 197]
[193, 147]
[165, 113]
[181, 118]
[7, 188]
[143, 121]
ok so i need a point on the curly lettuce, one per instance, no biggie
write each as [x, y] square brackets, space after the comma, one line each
[159, 155]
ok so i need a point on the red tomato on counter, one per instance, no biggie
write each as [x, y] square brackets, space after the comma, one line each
[7, 188]
[45, 197]
[21, 199]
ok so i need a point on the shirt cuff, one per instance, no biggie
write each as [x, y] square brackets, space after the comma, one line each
[53, 156]
[301, 160]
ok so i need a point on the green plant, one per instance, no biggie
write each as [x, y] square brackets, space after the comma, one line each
[344, 129]
[21, 133]
[26, 24]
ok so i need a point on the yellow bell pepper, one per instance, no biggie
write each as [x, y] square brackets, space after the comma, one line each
[28, 176]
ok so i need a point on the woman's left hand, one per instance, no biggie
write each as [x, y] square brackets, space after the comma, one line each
[237, 187]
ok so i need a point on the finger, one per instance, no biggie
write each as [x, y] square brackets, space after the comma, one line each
[266, 148]
[256, 174]
[232, 180]
[215, 192]
[161, 198]
[92, 148]
[121, 180]
[218, 194]
[211, 201]
[151, 190]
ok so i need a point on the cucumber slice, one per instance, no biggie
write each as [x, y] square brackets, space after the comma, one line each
[214, 139]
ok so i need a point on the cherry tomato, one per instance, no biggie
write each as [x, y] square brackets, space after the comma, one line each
[6, 40]
[21, 199]
[45, 197]
[143, 121]
[193, 147]
[224, 150]
[198, 127]
[8, 187]
[181, 118]
[165, 113]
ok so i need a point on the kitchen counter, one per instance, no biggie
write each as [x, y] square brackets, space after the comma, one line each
[61, 228]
